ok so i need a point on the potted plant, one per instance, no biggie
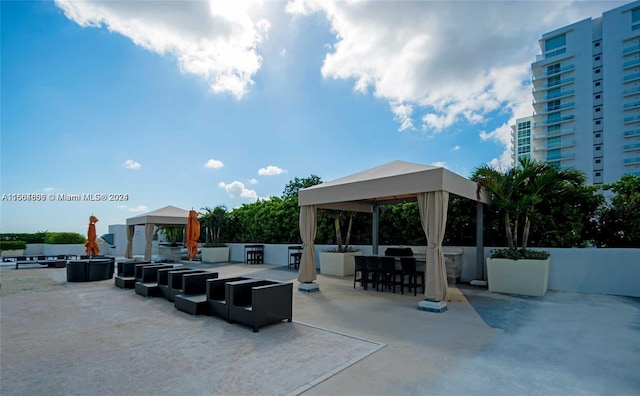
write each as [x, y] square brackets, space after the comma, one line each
[171, 251]
[516, 193]
[214, 220]
[339, 261]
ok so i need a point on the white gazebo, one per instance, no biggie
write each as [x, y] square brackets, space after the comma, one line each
[388, 183]
[169, 215]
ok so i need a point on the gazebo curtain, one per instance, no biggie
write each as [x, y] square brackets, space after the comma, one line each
[433, 208]
[307, 271]
[129, 250]
[148, 235]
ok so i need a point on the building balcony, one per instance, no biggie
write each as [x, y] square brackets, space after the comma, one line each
[631, 91]
[566, 118]
[551, 109]
[546, 135]
[631, 63]
[544, 87]
[632, 161]
[631, 119]
[631, 50]
[561, 157]
[556, 145]
[556, 95]
[632, 133]
[631, 77]
[631, 105]
[632, 147]
[545, 73]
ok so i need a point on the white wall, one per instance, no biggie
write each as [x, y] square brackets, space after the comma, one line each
[589, 270]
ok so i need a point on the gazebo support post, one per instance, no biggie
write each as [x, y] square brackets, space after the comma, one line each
[375, 226]
[479, 281]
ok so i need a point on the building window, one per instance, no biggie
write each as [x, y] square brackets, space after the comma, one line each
[553, 69]
[598, 161]
[598, 96]
[598, 148]
[635, 15]
[598, 135]
[597, 71]
[553, 81]
[598, 174]
[597, 83]
[596, 44]
[598, 109]
[524, 125]
[598, 58]
[556, 42]
[553, 105]
[598, 122]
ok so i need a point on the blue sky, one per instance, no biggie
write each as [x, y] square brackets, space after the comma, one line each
[197, 104]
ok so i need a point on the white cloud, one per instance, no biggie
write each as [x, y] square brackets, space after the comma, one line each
[271, 171]
[441, 164]
[253, 181]
[283, 52]
[139, 208]
[49, 188]
[216, 41]
[442, 63]
[213, 164]
[131, 164]
[237, 189]
[456, 148]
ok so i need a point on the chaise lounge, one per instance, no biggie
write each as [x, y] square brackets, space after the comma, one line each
[257, 303]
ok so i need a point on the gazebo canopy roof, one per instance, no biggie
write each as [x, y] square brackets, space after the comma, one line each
[169, 215]
[391, 182]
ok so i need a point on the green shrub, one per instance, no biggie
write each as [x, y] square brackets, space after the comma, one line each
[12, 245]
[57, 238]
[519, 254]
[37, 237]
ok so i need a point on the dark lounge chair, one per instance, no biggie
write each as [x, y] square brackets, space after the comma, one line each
[148, 285]
[218, 295]
[193, 299]
[257, 303]
[163, 279]
[126, 276]
[175, 282]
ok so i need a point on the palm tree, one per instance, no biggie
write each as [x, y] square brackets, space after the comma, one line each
[517, 191]
[214, 221]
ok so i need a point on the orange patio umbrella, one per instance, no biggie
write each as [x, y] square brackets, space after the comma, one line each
[193, 234]
[91, 246]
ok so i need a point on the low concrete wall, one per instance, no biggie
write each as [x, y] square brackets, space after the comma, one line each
[54, 250]
[588, 270]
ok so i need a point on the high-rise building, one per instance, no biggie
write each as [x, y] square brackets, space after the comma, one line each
[586, 98]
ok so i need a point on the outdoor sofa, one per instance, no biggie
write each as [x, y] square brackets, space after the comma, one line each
[126, 275]
[257, 303]
[175, 283]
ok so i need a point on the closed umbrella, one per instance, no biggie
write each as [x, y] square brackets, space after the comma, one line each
[91, 246]
[193, 234]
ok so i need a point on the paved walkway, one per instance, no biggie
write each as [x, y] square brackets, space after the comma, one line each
[91, 338]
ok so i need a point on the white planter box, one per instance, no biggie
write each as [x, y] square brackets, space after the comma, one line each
[524, 277]
[214, 254]
[338, 264]
[12, 252]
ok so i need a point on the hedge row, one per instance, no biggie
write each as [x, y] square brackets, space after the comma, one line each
[41, 237]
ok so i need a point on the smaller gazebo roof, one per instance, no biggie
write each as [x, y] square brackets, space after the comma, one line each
[169, 215]
[390, 182]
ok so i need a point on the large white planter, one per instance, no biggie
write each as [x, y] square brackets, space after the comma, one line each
[12, 252]
[214, 254]
[338, 264]
[524, 277]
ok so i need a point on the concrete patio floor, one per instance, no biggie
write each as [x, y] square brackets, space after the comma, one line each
[94, 338]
